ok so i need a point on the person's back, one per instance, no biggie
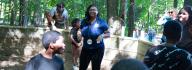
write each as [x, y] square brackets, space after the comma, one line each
[129, 64]
[164, 57]
[167, 56]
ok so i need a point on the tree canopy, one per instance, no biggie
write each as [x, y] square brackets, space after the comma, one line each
[31, 12]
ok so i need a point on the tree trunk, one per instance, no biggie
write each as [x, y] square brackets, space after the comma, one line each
[175, 3]
[4, 9]
[1, 5]
[131, 17]
[37, 15]
[123, 16]
[123, 10]
[112, 16]
[187, 2]
[23, 13]
[13, 12]
[112, 10]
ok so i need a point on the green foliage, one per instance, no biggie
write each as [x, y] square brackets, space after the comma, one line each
[148, 13]
[76, 8]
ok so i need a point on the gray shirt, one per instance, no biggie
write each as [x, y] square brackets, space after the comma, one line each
[53, 11]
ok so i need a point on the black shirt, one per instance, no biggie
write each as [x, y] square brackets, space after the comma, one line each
[167, 58]
[74, 32]
[186, 40]
[41, 63]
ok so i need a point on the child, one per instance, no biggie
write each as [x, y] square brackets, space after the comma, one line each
[167, 56]
[75, 36]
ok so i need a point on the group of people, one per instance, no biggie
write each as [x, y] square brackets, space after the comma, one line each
[175, 52]
[87, 40]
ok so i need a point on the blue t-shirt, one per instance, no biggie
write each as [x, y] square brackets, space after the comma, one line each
[92, 31]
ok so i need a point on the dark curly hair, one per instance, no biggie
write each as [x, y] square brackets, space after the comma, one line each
[74, 21]
[189, 11]
[60, 4]
[87, 11]
[172, 30]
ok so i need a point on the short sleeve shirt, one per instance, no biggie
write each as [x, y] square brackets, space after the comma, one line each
[92, 31]
[74, 33]
[41, 63]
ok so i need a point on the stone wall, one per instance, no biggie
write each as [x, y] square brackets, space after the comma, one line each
[18, 45]
[117, 48]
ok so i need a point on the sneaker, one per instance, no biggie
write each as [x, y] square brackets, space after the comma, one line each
[75, 67]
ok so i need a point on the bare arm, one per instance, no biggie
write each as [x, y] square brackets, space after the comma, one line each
[72, 40]
[49, 18]
[105, 35]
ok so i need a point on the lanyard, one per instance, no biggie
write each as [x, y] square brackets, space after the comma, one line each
[89, 28]
[89, 41]
[89, 31]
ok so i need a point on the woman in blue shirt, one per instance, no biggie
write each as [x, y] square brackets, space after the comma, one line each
[94, 29]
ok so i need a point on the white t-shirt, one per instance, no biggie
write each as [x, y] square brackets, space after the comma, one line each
[64, 14]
